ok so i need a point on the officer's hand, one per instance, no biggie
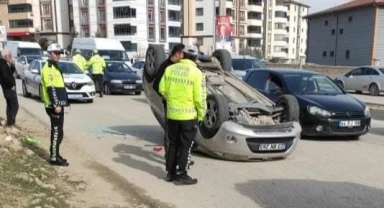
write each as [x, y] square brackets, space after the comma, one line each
[58, 109]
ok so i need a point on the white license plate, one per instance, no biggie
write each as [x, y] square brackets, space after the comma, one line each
[349, 123]
[129, 86]
[74, 96]
[267, 147]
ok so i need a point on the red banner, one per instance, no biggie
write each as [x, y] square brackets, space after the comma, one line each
[223, 33]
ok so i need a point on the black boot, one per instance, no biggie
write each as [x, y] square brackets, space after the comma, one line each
[58, 162]
[185, 179]
[61, 158]
[171, 177]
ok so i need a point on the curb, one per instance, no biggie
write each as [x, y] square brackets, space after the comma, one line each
[375, 106]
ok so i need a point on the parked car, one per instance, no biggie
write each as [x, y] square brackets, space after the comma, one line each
[365, 78]
[78, 85]
[325, 109]
[241, 64]
[138, 67]
[120, 78]
[22, 63]
[241, 124]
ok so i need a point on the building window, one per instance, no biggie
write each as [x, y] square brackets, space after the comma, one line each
[171, 45]
[46, 24]
[151, 33]
[293, 51]
[255, 2]
[233, 29]
[174, 32]
[162, 3]
[341, 31]
[350, 18]
[151, 2]
[174, 2]
[332, 54]
[242, 16]
[241, 30]
[254, 29]
[324, 53]
[124, 12]
[253, 42]
[84, 32]
[174, 15]
[84, 17]
[281, 14]
[124, 29]
[45, 9]
[347, 54]
[162, 16]
[199, 11]
[333, 32]
[200, 41]
[199, 26]
[254, 15]
[162, 33]
[231, 12]
[83, 3]
[101, 16]
[326, 23]
[151, 17]
[21, 23]
[129, 46]
[217, 11]
[19, 8]
[280, 26]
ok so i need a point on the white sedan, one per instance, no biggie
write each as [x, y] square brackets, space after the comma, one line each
[22, 63]
[79, 86]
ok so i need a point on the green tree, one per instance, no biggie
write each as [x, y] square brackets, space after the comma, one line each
[43, 42]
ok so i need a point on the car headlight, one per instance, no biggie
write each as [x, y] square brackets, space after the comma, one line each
[90, 83]
[139, 81]
[116, 81]
[367, 112]
[318, 111]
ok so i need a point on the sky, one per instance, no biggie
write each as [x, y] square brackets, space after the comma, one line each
[318, 5]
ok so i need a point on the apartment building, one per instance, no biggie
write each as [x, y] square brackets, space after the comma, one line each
[135, 23]
[273, 26]
[31, 20]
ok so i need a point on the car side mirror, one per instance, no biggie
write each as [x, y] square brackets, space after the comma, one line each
[34, 71]
[22, 62]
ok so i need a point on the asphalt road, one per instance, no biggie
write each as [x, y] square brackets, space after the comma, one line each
[332, 173]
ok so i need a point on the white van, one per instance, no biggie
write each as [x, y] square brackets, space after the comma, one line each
[109, 49]
[21, 48]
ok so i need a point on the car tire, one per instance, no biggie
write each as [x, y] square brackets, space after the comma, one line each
[154, 57]
[225, 59]
[107, 91]
[291, 108]
[359, 92]
[340, 84]
[25, 91]
[138, 93]
[41, 93]
[374, 90]
[90, 101]
[217, 114]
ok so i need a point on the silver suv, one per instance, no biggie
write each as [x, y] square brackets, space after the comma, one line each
[241, 64]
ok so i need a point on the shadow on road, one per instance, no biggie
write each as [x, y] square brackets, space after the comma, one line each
[150, 133]
[141, 100]
[310, 193]
[125, 157]
[377, 131]
[331, 139]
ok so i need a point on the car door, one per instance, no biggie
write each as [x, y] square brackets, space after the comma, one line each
[257, 80]
[372, 76]
[352, 79]
[274, 87]
[28, 78]
[37, 78]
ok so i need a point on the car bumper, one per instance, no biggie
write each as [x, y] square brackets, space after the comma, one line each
[330, 126]
[85, 93]
[242, 143]
[122, 88]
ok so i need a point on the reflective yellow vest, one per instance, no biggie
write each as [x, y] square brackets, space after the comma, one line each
[97, 63]
[53, 87]
[184, 88]
[80, 61]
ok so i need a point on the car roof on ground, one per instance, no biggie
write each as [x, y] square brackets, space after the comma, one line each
[243, 57]
[287, 71]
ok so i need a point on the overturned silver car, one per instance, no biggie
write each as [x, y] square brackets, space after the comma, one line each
[241, 124]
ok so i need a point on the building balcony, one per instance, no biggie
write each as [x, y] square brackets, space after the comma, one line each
[254, 35]
[281, 31]
[281, 8]
[281, 43]
[281, 20]
[280, 54]
[255, 8]
[255, 22]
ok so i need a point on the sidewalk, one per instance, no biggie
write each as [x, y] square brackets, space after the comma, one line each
[376, 102]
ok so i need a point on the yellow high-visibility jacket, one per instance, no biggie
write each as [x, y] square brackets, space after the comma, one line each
[53, 89]
[97, 63]
[183, 87]
[80, 61]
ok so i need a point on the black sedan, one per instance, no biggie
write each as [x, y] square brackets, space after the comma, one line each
[325, 108]
[119, 78]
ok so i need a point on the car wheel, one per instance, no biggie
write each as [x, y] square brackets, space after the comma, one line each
[224, 58]
[90, 101]
[25, 91]
[291, 108]
[340, 84]
[137, 93]
[217, 114]
[107, 91]
[374, 90]
[358, 92]
[154, 57]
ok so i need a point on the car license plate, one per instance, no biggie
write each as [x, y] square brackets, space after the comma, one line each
[75, 96]
[349, 124]
[267, 147]
[129, 86]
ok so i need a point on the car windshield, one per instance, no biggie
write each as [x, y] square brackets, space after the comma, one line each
[244, 64]
[31, 58]
[118, 67]
[382, 70]
[311, 84]
[67, 67]
[30, 51]
[114, 55]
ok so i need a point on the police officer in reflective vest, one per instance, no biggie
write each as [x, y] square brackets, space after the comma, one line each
[79, 60]
[97, 64]
[184, 89]
[55, 98]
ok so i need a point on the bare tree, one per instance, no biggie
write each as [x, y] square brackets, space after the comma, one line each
[140, 54]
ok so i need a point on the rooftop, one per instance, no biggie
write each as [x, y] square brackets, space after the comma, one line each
[347, 6]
